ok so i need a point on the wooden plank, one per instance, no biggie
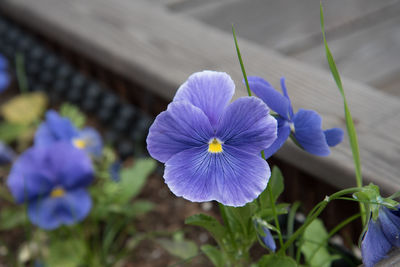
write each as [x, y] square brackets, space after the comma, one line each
[151, 46]
[371, 55]
[289, 25]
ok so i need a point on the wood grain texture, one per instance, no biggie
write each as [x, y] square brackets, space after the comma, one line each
[370, 55]
[145, 43]
[289, 25]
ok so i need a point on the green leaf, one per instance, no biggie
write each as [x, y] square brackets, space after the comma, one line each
[349, 120]
[314, 246]
[217, 231]
[11, 218]
[277, 186]
[240, 218]
[273, 260]
[74, 114]
[134, 178]
[180, 248]
[131, 182]
[11, 131]
[66, 252]
[268, 213]
[25, 109]
[214, 254]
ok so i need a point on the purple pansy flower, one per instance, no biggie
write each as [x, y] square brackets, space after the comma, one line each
[53, 181]
[382, 235]
[6, 154]
[4, 76]
[56, 128]
[211, 149]
[305, 124]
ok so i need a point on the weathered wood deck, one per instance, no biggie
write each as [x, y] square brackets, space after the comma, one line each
[159, 44]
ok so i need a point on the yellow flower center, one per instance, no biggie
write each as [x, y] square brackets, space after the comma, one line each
[57, 192]
[215, 146]
[79, 143]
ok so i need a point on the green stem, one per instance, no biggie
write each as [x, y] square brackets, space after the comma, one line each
[20, 71]
[226, 222]
[275, 215]
[241, 61]
[290, 224]
[315, 213]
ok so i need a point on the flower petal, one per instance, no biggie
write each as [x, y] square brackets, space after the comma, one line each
[268, 240]
[181, 126]
[308, 132]
[285, 93]
[72, 166]
[374, 246]
[28, 177]
[390, 225]
[247, 125]
[283, 134]
[334, 136]
[275, 100]
[55, 128]
[233, 177]
[210, 91]
[92, 140]
[4, 80]
[51, 212]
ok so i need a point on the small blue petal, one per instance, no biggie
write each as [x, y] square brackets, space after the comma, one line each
[181, 127]
[374, 246]
[308, 132]
[334, 136]
[247, 125]
[51, 212]
[115, 169]
[55, 128]
[285, 93]
[93, 141]
[274, 100]
[4, 80]
[268, 239]
[7, 155]
[283, 135]
[210, 91]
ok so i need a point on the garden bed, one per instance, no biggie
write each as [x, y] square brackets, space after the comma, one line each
[123, 112]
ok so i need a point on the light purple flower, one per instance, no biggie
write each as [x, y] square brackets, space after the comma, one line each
[382, 235]
[305, 124]
[211, 149]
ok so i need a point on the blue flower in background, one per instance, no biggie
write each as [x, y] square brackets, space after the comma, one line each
[53, 181]
[6, 154]
[305, 124]
[211, 149]
[4, 76]
[381, 236]
[56, 128]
